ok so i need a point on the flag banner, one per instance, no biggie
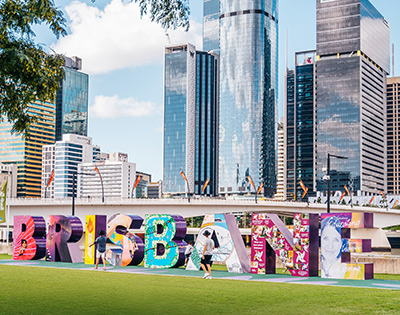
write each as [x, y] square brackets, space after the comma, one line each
[251, 182]
[51, 178]
[184, 176]
[372, 199]
[3, 196]
[205, 185]
[98, 172]
[305, 193]
[302, 186]
[259, 188]
[348, 192]
[341, 198]
[137, 181]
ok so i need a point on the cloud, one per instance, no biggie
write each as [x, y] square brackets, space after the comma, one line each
[117, 37]
[114, 107]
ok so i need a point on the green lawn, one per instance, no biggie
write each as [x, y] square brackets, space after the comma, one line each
[30, 290]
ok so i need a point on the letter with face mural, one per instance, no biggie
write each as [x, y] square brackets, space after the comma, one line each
[335, 248]
[29, 237]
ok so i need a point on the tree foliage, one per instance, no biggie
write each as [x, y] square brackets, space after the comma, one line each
[171, 14]
[27, 71]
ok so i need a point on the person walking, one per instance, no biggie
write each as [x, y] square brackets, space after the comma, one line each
[205, 262]
[101, 242]
[188, 252]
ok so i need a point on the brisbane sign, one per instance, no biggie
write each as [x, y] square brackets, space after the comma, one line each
[163, 244]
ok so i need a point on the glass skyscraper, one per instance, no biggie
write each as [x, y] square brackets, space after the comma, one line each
[393, 135]
[300, 122]
[245, 33]
[190, 116]
[27, 153]
[353, 48]
[72, 100]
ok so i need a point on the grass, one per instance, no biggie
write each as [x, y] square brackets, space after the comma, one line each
[49, 291]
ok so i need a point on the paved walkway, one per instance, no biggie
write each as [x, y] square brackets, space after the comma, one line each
[180, 272]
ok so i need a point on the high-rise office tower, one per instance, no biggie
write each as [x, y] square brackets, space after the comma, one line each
[300, 119]
[117, 178]
[190, 120]
[280, 182]
[63, 159]
[72, 100]
[353, 57]
[289, 103]
[245, 33]
[393, 135]
[27, 153]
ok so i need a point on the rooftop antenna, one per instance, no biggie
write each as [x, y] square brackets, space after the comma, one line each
[286, 50]
[393, 59]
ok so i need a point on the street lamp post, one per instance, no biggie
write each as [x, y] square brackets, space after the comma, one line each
[328, 179]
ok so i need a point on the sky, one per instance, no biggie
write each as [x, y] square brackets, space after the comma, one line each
[123, 55]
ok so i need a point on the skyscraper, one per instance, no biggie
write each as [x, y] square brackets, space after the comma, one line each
[190, 116]
[280, 182]
[393, 135]
[72, 100]
[117, 178]
[300, 119]
[27, 153]
[353, 56]
[63, 159]
[247, 42]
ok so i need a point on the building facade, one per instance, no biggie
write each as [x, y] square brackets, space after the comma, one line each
[248, 47]
[114, 177]
[62, 160]
[27, 152]
[289, 103]
[281, 183]
[300, 119]
[353, 57]
[393, 135]
[190, 120]
[8, 173]
[72, 100]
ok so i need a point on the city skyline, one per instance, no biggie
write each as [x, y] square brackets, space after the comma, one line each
[136, 90]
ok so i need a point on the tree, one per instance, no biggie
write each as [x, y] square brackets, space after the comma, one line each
[168, 13]
[27, 71]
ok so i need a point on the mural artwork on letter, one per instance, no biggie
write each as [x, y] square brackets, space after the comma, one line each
[298, 250]
[94, 223]
[336, 246]
[63, 237]
[29, 237]
[131, 250]
[164, 245]
[229, 246]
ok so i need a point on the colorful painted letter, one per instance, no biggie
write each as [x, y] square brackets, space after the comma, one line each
[164, 245]
[229, 246]
[29, 237]
[336, 246]
[298, 250]
[132, 247]
[94, 223]
[63, 237]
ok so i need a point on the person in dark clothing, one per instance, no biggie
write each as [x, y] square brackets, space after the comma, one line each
[101, 242]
